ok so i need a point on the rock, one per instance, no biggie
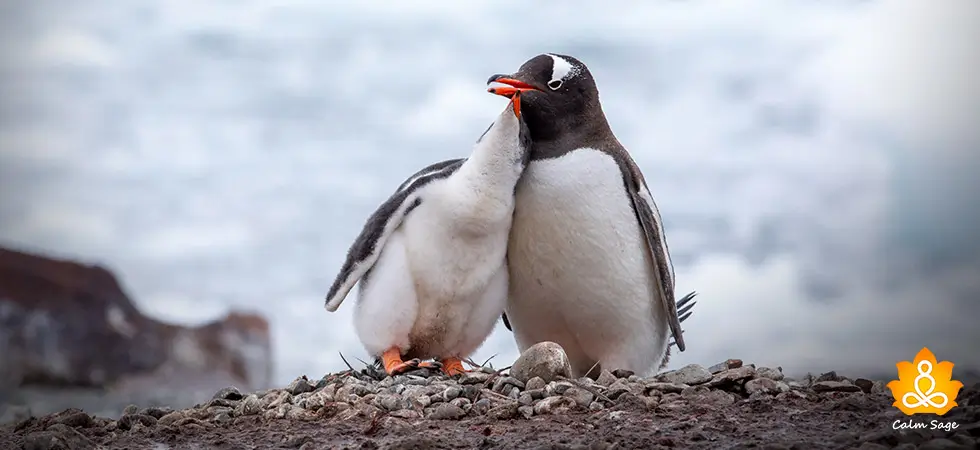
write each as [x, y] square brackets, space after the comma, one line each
[558, 387]
[172, 418]
[76, 420]
[605, 378]
[228, 393]
[406, 414]
[665, 387]
[130, 409]
[553, 405]
[716, 398]
[770, 373]
[299, 386]
[391, 402]
[535, 384]
[222, 418]
[157, 411]
[616, 389]
[544, 359]
[691, 374]
[94, 335]
[725, 365]
[525, 399]
[57, 436]
[865, 384]
[761, 386]
[623, 373]
[731, 377]
[596, 406]
[526, 411]
[451, 393]
[249, 406]
[482, 406]
[473, 378]
[504, 411]
[829, 376]
[127, 421]
[834, 386]
[580, 396]
[502, 384]
[463, 403]
[447, 411]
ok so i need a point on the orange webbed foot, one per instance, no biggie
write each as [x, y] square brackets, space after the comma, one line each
[452, 366]
[393, 363]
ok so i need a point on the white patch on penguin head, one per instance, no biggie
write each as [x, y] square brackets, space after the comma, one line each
[561, 69]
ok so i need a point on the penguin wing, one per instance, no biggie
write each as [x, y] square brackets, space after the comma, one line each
[650, 221]
[366, 249]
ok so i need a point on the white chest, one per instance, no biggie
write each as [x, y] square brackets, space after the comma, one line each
[577, 255]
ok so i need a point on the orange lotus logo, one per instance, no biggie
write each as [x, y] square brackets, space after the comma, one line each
[925, 385]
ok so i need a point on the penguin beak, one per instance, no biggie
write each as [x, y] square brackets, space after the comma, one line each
[510, 86]
[516, 98]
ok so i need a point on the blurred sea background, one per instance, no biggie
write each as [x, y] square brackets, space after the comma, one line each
[815, 161]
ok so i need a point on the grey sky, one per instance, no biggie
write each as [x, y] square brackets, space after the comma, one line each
[813, 160]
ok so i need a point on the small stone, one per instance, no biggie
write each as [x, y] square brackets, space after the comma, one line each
[544, 359]
[761, 385]
[131, 409]
[421, 401]
[606, 378]
[228, 393]
[391, 402]
[525, 399]
[220, 402]
[730, 377]
[447, 411]
[128, 420]
[473, 378]
[171, 418]
[526, 411]
[481, 406]
[580, 396]
[273, 401]
[504, 411]
[157, 411]
[623, 373]
[770, 373]
[299, 386]
[834, 386]
[536, 394]
[665, 387]
[829, 376]
[76, 420]
[725, 365]
[222, 418]
[451, 393]
[502, 383]
[691, 374]
[535, 383]
[865, 384]
[514, 393]
[616, 389]
[463, 403]
[406, 414]
[717, 398]
[249, 406]
[553, 405]
[57, 436]
[596, 406]
[558, 387]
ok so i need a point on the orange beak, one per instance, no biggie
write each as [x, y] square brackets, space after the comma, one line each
[513, 86]
[516, 98]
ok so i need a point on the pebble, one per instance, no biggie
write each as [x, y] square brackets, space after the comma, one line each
[691, 374]
[447, 411]
[580, 396]
[665, 387]
[504, 411]
[605, 378]
[249, 406]
[834, 386]
[553, 405]
[770, 373]
[544, 359]
[535, 383]
[228, 393]
[761, 385]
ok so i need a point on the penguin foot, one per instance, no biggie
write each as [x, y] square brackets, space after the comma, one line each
[452, 366]
[393, 363]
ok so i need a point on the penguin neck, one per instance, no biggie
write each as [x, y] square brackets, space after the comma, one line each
[497, 160]
[572, 132]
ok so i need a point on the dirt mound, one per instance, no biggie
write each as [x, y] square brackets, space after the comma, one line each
[727, 406]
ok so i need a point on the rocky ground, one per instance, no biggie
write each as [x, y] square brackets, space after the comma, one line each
[533, 405]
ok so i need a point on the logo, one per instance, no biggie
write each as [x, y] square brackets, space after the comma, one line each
[925, 385]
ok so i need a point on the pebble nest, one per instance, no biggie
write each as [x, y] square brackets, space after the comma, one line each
[728, 405]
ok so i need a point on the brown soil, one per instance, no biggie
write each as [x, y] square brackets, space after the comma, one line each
[831, 420]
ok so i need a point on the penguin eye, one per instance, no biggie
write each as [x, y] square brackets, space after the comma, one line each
[554, 84]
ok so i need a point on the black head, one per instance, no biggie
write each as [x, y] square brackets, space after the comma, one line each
[559, 96]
